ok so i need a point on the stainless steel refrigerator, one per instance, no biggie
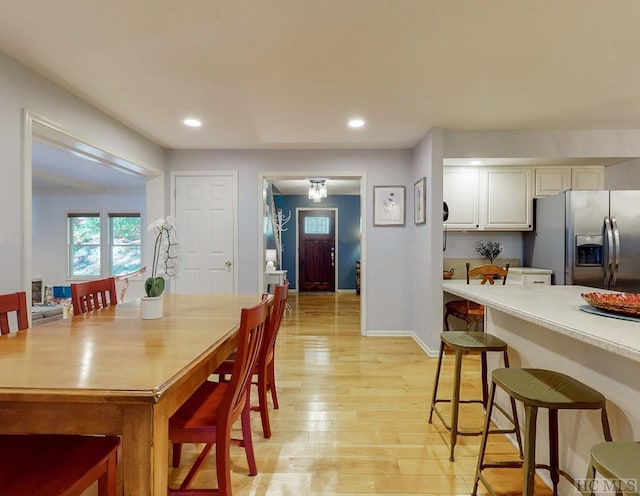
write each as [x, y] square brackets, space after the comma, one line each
[589, 238]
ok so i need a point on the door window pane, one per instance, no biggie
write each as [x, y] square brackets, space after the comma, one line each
[316, 225]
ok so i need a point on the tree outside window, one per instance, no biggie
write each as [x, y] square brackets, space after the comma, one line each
[125, 235]
[84, 245]
[121, 244]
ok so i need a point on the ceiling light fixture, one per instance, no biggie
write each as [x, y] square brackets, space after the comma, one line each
[317, 190]
[192, 122]
[356, 123]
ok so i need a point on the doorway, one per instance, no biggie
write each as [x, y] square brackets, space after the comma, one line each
[317, 257]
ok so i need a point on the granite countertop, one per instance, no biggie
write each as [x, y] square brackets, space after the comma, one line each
[556, 308]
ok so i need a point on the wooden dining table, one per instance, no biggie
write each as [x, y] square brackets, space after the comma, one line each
[111, 372]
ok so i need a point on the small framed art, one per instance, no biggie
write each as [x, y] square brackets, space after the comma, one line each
[388, 205]
[419, 201]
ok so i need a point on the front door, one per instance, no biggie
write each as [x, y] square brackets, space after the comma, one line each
[317, 254]
[205, 218]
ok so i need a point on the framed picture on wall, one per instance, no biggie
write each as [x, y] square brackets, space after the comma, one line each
[420, 201]
[388, 205]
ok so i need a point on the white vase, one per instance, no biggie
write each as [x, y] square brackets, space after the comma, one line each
[151, 307]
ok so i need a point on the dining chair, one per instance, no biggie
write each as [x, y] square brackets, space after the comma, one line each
[93, 295]
[470, 311]
[13, 303]
[53, 464]
[264, 376]
[210, 412]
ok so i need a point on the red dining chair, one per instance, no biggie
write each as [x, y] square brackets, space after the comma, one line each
[53, 464]
[13, 302]
[209, 413]
[93, 295]
[264, 370]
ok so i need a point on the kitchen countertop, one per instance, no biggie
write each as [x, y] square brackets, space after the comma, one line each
[556, 308]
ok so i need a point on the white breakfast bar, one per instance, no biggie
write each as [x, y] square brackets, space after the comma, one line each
[545, 328]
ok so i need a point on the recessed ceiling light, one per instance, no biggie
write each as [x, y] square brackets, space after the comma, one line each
[476, 162]
[356, 123]
[192, 122]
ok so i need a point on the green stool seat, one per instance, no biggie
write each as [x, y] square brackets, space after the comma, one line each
[462, 342]
[617, 462]
[538, 388]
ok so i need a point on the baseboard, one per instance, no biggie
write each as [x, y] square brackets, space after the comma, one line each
[393, 334]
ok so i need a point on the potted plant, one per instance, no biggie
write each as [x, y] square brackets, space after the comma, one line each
[489, 250]
[164, 265]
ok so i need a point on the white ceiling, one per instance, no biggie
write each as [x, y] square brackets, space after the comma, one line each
[288, 74]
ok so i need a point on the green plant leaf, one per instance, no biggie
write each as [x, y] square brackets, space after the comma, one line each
[154, 286]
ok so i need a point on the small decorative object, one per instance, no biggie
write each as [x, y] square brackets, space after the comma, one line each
[419, 201]
[165, 265]
[447, 274]
[388, 205]
[489, 250]
[272, 258]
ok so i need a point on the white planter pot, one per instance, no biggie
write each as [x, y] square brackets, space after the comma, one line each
[151, 307]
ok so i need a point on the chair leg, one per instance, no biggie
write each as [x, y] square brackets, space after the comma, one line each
[446, 321]
[177, 452]
[455, 404]
[485, 387]
[247, 439]
[605, 424]
[107, 483]
[483, 441]
[263, 407]
[553, 450]
[529, 463]
[272, 385]
[223, 459]
[437, 379]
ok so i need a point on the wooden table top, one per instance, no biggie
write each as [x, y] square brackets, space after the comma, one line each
[113, 352]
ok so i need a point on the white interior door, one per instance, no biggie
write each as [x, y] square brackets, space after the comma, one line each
[206, 219]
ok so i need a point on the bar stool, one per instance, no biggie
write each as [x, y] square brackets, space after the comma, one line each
[617, 462]
[473, 342]
[537, 388]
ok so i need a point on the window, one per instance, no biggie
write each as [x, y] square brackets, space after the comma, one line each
[316, 225]
[100, 251]
[84, 245]
[124, 243]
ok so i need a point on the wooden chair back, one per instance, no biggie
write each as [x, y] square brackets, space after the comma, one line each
[488, 272]
[93, 295]
[13, 302]
[253, 322]
[275, 319]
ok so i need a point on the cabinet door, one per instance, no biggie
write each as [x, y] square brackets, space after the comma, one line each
[460, 191]
[509, 200]
[552, 180]
[587, 178]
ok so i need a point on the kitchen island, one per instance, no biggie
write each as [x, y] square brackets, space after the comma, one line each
[545, 328]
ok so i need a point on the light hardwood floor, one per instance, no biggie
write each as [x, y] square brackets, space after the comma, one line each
[353, 415]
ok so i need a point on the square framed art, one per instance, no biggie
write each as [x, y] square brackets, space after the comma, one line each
[388, 205]
[420, 201]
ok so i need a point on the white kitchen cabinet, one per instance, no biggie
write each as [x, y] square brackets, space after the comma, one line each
[587, 178]
[460, 189]
[506, 199]
[488, 198]
[553, 180]
[529, 275]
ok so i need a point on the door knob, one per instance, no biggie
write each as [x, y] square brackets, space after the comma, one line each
[228, 263]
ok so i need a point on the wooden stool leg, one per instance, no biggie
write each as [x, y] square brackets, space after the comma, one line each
[605, 424]
[514, 412]
[485, 387]
[455, 403]
[553, 450]
[529, 463]
[437, 380]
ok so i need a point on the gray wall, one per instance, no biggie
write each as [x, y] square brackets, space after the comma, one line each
[625, 175]
[22, 89]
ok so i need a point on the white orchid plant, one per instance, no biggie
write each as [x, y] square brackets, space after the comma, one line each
[165, 255]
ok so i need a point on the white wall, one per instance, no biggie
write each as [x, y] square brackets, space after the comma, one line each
[387, 289]
[50, 228]
[625, 175]
[22, 89]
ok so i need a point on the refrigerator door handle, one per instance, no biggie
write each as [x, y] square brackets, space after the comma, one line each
[616, 245]
[608, 254]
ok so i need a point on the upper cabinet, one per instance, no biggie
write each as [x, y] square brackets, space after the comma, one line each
[553, 180]
[488, 198]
